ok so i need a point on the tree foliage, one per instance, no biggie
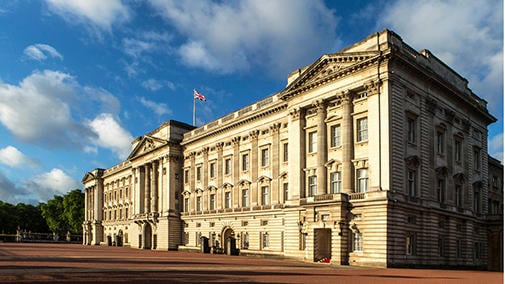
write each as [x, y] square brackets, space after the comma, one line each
[53, 213]
[73, 209]
[60, 215]
[25, 216]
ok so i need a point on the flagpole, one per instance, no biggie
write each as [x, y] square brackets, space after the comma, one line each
[194, 111]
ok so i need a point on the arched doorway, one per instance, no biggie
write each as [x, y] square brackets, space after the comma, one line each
[147, 236]
[228, 240]
[119, 238]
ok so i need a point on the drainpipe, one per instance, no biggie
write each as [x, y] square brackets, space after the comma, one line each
[379, 113]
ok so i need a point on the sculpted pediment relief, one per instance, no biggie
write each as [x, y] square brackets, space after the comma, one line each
[327, 68]
[146, 145]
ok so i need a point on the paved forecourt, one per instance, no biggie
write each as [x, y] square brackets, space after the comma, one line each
[66, 263]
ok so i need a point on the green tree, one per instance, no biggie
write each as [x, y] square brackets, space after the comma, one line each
[53, 212]
[30, 218]
[8, 218]
[73, 204]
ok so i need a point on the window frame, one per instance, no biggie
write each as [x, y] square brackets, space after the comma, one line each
[312, 139]
[336, 183]
[362, 180]
[362, 129]
[335, 136]
[312, 185]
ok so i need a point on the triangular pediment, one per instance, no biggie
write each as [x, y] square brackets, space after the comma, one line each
[146, 145]
[88, 177]
[327, 68]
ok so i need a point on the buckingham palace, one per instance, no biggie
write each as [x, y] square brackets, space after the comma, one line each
[375, 155]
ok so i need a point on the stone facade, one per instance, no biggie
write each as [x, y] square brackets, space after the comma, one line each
[374, 155]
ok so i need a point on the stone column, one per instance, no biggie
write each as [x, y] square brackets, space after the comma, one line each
[154, 186]
[205, 176]
[296, 149]
[236, 169]
[347, 143]
[274, 163]
[192, 178]
[219, 165]
[321, 170]
[86, 204]
[147, 188]
[254, 194]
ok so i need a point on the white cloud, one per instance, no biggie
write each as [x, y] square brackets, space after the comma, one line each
[111, 135]
[9, 192]
[465, 34]
[495, 147]
[38, 110]
[158, 108]
[41, 52]
[54, 182]
[51, 109]
[230, 36]
[155, 85]
[97, 13]
[12, 157]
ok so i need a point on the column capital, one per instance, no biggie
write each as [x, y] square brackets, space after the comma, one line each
[319, 105]
[275, 127]
[295, 113]
[254, 134]
[236, 140]
[205, 150]
[372, 86]
[346, 96]
[219, 146]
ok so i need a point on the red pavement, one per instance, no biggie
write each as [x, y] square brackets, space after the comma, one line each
[65, 263]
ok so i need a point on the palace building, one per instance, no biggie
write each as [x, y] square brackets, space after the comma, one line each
[374, 155]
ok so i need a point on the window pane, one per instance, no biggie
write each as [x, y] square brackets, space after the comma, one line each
[362, 129]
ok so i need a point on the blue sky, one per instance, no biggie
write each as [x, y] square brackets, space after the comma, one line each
[80, 79]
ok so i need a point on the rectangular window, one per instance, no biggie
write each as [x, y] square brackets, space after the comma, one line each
[264, 157]
[285, 190]
[441, 249]
[410, 244]
[227, 166]
[441, 191]
[411, 183]
[212, 202]
[362, 134]
[245, 197]
[457, 150]
[312, 142]
[245, 162]
[335, 182]
[198, 173]
[186, 204]
[245, 240]
[476, 201]
[265, 240]
[440, 142]
[198, 203]
[362, 180]
[335, 136]
[411, 130]
[212, 170]
[476, 159]
[285, 152]
[312, 185]
[227, 199]
[265, 195]
[357, 241]
[458, 196]
[459, 248]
